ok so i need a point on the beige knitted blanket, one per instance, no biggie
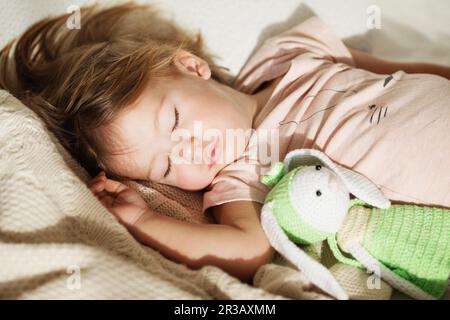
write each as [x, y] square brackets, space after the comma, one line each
[58, 241]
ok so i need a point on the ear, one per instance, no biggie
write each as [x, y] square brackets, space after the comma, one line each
[189, 63]
[360, 186]
[313, 270]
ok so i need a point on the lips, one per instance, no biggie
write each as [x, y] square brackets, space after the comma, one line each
[213, 152]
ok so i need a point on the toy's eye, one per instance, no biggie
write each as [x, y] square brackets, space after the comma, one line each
[318, 193]
[318, 167]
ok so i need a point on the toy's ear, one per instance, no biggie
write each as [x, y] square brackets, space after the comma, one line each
[313, 270]
[357, 184]
[274, 175]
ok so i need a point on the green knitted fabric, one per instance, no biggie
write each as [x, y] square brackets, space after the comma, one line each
[283, 210]
[414, 242]
[274, 175]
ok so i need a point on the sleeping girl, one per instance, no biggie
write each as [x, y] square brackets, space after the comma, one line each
[134, 96]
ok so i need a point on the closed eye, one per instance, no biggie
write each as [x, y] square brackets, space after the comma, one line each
[169, 168]
[177, 119]
[175, 125]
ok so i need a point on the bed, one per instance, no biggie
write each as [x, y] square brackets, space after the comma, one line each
[56, 239]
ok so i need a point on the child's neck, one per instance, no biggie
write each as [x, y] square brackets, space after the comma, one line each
[253, 103]
[263, 95]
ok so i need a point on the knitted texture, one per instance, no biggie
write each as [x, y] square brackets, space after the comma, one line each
[170, 201]
[356, 184]
[287, 217]
[354, 227]
[411, 241]
[360, 285]
[414, 242]
[58, 241]
[274, 175]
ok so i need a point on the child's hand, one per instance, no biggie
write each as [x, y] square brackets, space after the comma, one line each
[122, 201]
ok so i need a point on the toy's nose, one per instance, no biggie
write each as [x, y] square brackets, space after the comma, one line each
[334, 183]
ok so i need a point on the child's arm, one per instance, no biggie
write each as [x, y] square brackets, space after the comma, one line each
[237, 244]
[366, 61]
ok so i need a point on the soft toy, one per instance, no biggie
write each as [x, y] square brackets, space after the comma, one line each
[408, 246]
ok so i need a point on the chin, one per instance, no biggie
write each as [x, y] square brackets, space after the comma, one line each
[198, 185]
[200, 178]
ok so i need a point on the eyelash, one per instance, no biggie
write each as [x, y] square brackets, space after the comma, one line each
[177, 118]
[169, 166]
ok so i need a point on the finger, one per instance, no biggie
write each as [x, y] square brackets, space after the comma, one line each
[107, 200]
[97, 179]
[97, 187]
[114, 186]
[99, 175]
[101, 194]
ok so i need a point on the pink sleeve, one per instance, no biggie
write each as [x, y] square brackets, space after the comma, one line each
[236, 182]
[313, 36]
[273, 58]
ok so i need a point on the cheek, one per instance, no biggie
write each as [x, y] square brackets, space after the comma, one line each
[193, 177]
[218, 112]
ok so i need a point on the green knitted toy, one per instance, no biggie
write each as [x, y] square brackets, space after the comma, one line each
[406, 245]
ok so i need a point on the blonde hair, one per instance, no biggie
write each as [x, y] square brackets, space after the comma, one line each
[78, 80]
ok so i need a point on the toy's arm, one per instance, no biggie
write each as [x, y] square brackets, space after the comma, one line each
[313, 270]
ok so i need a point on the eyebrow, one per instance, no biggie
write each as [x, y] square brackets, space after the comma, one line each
[157, 113]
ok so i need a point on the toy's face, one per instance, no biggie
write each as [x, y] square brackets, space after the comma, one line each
[320, 197]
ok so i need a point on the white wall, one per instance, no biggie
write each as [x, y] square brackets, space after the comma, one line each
[411, 29]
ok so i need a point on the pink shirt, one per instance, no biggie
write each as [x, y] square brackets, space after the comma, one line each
[394, 129]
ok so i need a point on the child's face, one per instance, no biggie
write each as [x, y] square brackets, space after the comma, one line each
[176, 132]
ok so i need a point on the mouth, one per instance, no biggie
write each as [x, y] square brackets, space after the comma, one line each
[213, 151]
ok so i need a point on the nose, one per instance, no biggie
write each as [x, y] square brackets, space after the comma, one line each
[186, 148]
[333, 183]
[191, 150]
